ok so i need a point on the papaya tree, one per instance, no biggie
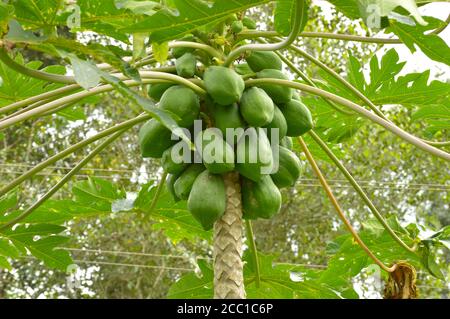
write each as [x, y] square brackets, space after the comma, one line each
[233, 120]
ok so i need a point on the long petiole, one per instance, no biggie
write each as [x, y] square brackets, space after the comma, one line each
[339, 210]
[36, 169]
[359, 109]
[254, 251]
[63, 181]
[359, 190]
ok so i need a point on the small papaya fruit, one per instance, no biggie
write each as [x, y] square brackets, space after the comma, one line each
[260, 199]
[183, 184]
[183, 102]
[176, 158]
[287, 142]
[186, 65]
[278, 122]
[249, 23]
[217, 155]
[207, 200]
[223, 84]
[237, 26]
[180, 51]
[254, 154]
[256, 107]
[262, 60]
[298, 118]
[170, 181]
[154, 139]
[279, 94]
[155, 91]
[289, 168]
[227, 117]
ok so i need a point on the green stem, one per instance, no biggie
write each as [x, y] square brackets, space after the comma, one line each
[254, 251]
[310, 82]
[347, 84]
[326, 187]
[357, 108]
[63, 181]
[148, 77]
[299, 8]
[359, 190]
[157, 195]
[72, 149]
[207, 48]
[4, 57]
[249, 34]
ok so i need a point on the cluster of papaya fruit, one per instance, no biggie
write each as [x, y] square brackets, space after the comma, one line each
[229, 104]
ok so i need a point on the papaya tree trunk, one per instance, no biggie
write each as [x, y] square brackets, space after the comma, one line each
[228, 233]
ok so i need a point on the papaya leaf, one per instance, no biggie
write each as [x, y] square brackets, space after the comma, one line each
[174, 219]
[41, 240]
[431, 44]
[139, 7]
[97, 192]
[6, 13]
[285, 14]
[166, 25]
[37, 14]
[191, 286]
[160, 51]
[16, 86]
[7, 202]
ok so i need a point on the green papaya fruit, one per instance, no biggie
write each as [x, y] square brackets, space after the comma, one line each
[227, 117]
[156, 91]
[170, 181]
[182, 102]
[217, 155]
[207, 200]
[176, 158]
[298, 118]
[256, 107]
[249, 23]
[243, 69]
[260, 199]
[224, 85]
[262, 60]
[279, 94]
[289, 168]
[287, 142]
[296, 96]
[237, 26]
[180, 51]
[183, 184]
[231, 18]
[154, 139]
[278, 122]
[254, 154]
[186, 65]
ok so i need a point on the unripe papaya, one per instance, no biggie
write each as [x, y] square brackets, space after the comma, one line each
[207, 201]
[156, 91]
[237, 26]
[186, 65]
[183, 184]
[279, 94]
[249, 23]
[179, 52]
[183, 102]
[256, 107]
[260, 199]
[224, 85]
[254, 154]
[262, 60]
[174, 160]
[227, 117]
[287, 142]
[278, 122]
[154, 139]
[289, 169]
[231, 18]
[170, 181]
[217, 155]
[298, 118]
